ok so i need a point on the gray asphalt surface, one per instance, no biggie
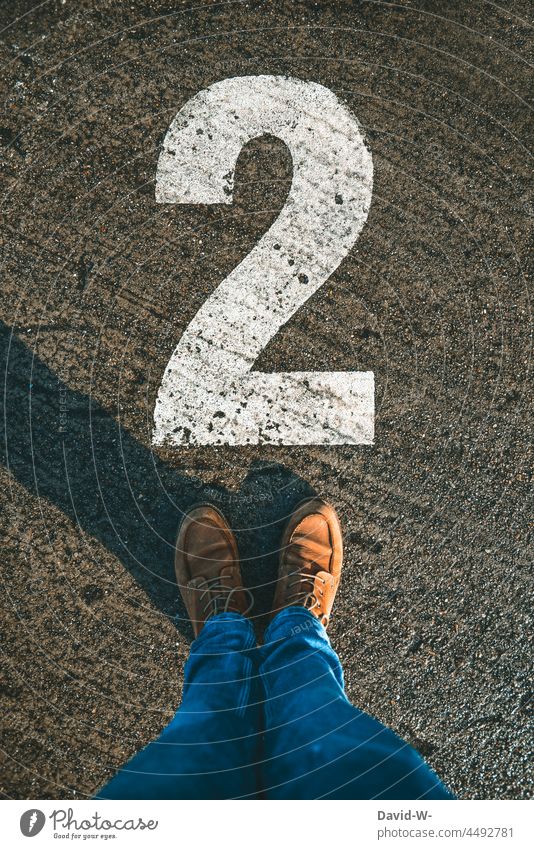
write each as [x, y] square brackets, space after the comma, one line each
[98, 283]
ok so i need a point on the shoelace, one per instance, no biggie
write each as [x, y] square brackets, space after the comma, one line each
[222, 601]
[306, 597]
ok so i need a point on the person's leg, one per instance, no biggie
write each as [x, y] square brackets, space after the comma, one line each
[316, 743]
[209, 749]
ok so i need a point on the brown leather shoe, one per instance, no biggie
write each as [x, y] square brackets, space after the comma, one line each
[311, 554]
[207, 567]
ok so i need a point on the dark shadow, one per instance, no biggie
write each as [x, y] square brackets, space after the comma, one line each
[64, 447]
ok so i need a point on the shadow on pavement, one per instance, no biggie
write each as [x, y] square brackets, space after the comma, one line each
[119, 492]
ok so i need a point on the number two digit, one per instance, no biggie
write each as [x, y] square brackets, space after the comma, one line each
[209, 395]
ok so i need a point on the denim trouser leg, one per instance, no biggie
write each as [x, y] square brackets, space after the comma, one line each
[317, 744]
[209, 749]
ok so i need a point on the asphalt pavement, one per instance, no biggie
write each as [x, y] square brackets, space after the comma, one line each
[99, 282]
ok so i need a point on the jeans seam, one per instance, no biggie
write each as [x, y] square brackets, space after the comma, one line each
[245, 688]
[268, 715]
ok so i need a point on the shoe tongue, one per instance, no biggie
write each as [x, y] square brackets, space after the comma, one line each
[197, 583]
[227, 576]
[325, 576]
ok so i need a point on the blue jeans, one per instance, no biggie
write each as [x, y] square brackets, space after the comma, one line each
[271, 722]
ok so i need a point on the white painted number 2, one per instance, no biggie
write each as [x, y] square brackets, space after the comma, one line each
[209, 394]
